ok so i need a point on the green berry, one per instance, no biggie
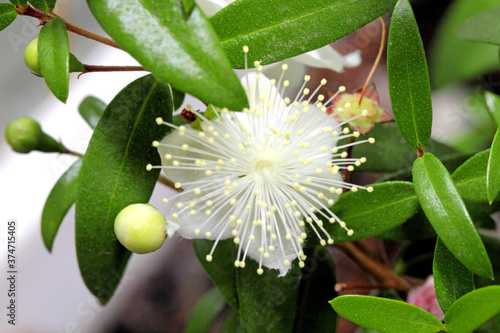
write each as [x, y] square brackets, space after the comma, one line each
[140, 228]
[24, 135]
[31, 57]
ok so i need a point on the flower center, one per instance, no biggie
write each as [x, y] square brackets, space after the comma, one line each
[265, 168]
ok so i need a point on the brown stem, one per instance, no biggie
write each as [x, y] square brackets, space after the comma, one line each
[375, 64]
[70, 152]
[167, 182]
[44, 17]
[94, 68]
[377, 269]
[345, 286]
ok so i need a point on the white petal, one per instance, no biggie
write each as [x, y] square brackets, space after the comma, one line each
[279, 255]
[186, 224]
[179, 174]
[267, 92]
[327, 57]
[210, 7]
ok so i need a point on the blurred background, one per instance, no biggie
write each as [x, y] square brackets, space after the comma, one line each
[160, 289]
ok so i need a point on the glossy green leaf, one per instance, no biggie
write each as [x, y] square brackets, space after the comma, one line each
[317, 287]
[43, 5]
[386, 315]
[473, 309]
[470, 178]
[75, 65]
[19, 2]
[369, 214]
[451, 279]
[232, 323]
[265, 302]
[113, 175]
[221, 269]
[178, 98]
[180, 49]
[493, 170]
[391, 154]
[454, 59]
[279, 29]
[188, 5]
[448, 215]
[493, 104]
[483, 27]
[408, 76]
[7, 15]
[206, 312]
[61, 198]
[53, 55]
[92, 109]
[416, 228]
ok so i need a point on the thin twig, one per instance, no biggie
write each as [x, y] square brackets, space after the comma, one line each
[45, 17]
[375, 64]
[377, 269]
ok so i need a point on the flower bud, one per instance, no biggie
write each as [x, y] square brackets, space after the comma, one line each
[31, 57]
[140, 228]
[25, 135]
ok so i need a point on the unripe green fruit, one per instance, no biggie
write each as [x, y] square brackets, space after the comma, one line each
[24, 135]
[140, 228]
[31, 57]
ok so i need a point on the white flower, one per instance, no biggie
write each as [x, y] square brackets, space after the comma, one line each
[325, 57]
[260, 175]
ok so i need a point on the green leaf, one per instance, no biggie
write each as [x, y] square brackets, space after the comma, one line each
[265, 302]
[19, 2]
[178, 98]
[369, 214]
[492, 172]
[279, 29]
[314, 314]
[75, 65]
[232, 323]
[483, 27]
[59, 201]
[53, 55]
[386, 315]
[473, 309]
[493, 104]
[221, 269]
[390, 154]
[113, 175]
[470, 178]
[416, 228]
[43, 5]
[451, 279]
[206, 312]
[188, 5]
[91, 109]
[454, 59]
[7, 15]
[180, 49]
[448, 215]
[408, 76]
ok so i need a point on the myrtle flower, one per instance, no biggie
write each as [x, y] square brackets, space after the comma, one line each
[259, 176]
[325, 57]
[347, 106]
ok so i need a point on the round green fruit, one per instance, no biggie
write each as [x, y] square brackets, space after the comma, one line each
[31, 57]
[140, 228]
[24, 135]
